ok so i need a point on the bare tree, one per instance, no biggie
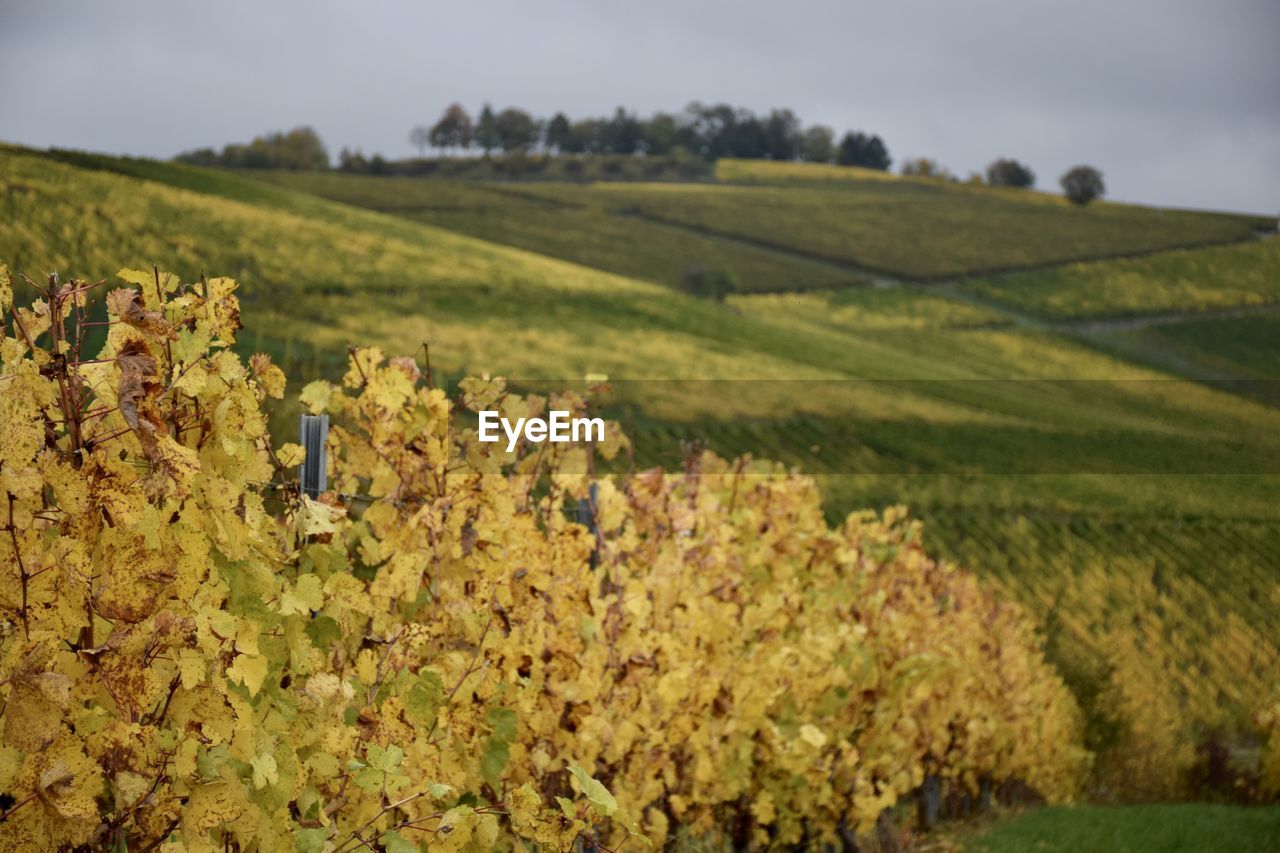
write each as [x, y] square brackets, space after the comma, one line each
[420, 138]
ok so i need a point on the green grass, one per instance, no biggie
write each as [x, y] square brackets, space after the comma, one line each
[1248, 347]
[1136, 829]
[1242, 349]
[731, 170]
[1239, 353]
[1181, 281]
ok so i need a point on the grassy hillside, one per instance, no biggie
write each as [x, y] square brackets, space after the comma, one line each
[731, 170]
[1247, 274]
[982, 425]
[582, 233]
[786, 237]
[913, 229]
[372, 277]
[1246, 346]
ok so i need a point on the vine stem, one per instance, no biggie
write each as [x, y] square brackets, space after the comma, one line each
[471, 668]
[6, 815]
[355, 833]
[22, 568]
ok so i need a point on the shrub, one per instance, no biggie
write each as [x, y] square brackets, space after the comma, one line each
[925, 167]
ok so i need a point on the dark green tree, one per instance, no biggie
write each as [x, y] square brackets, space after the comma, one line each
[1083, 184]
[299, 148]
[352, 161]
[516, 130]
[817, 145]
[486, 132]
[747, 137]
[1006, 172]
[782, 135]
[660, 134]
[877, 155]
[586, 136]
[623, 134]
[557, 134]
[861, 149]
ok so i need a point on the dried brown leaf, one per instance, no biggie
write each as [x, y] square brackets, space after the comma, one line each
[126, 304]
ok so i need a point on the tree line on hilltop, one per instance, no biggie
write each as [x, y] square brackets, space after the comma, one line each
[684, 142]
[709, 132]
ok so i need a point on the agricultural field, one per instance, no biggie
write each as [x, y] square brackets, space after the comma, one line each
[1042, 461]
[836, 233]
[909, 229]
[1183, 282]
[735, 171]
[580, 232]
[1135, 623]
[1246, 347]
[371, 277]
[1236, 351]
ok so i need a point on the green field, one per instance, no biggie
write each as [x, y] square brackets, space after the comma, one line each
[908, 228]
[911, 229]
[582, 233]
[1247, 347]
[1236, 276]
[1035, 456]
[1136, 829]
[1235, 351]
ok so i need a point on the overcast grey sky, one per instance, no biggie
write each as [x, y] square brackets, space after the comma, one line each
[1178, 102]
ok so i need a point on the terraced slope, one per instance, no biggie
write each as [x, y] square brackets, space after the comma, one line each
[913, 229]
[584, 234]
[921, 229]
[1189, 281]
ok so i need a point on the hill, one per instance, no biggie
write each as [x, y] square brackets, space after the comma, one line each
[1133, 511]
[867, 225]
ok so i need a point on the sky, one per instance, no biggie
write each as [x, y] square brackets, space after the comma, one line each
[1176, 102]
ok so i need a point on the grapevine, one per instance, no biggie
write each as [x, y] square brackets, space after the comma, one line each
[196, 656]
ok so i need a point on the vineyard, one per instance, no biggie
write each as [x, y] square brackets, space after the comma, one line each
[1236, 276]
[914, 229]
[1131, 513]
[885, 226]
[579, 229]
[196, 656]
[1136, 627]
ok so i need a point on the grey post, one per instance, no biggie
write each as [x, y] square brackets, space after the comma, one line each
[313, 473]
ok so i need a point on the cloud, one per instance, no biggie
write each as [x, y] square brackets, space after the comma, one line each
[1175, 101]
